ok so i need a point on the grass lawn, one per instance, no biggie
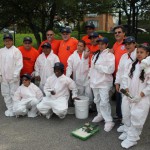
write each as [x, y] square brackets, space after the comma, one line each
[19, 38]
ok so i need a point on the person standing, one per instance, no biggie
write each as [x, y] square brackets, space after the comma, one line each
[67, 46]
[101, 81]
[50, 35]
[29, 54]
[118, 50]
[90, 28]
[11, 64]
[44, 64]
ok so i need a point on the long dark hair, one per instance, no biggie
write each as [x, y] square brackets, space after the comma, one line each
[141, 77]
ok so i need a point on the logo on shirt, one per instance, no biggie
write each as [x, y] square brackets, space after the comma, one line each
[68, 48]
[122, 47]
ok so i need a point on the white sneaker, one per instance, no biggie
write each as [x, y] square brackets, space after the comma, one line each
[97, 119]
[123, 136]
[31, 115]
[9, 113]
[49, 114]
[108, 126]
[127, 144]
[120, 129]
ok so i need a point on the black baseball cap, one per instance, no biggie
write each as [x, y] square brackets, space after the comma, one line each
[103, 39]
[8, 36]
[46, 45]
[59, 65]
[26, 76]
[67, 30]
[90, 25]
[129, 39]
[27, 39]
[94, 35]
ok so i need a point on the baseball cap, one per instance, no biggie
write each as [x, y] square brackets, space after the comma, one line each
[58, 65]
[26, 76]
[90, 25]
[46, 45]
[67, 30]
[8, 36]
[27, 39]
[93, 34]
[129, 39]
[103, 39]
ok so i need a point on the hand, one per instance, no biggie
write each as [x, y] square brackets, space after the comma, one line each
[127, 90]
[136, 99]
[142, 94]
[117, 87]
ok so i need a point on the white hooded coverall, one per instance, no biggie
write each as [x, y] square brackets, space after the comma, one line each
[11, 64]
[26, 98]
[101, 81]
[135, 114]
[80, 69]
[44, 67]
[58, 103]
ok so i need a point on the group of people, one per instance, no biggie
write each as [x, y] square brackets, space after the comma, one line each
[85, 67]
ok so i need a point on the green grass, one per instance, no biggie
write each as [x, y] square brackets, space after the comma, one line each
[19, 38]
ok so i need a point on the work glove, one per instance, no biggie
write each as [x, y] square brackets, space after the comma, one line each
[135, 99]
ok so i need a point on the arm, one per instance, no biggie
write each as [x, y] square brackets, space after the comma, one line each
[146, 90]
[39, 94]
[108, 67]
[37, 67]
[18, 63]
[69, 68]
[47, 88]
[17, 95]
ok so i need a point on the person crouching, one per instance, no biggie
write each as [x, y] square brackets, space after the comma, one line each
[57, 93]
[27, 96]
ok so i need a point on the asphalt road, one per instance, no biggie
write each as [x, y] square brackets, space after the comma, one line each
[54, 134]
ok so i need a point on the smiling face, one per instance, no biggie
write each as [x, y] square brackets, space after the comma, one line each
[141, 54]
[8, 42]
[80, 47]
[50, 35]
[65, 36]
[130, 47]
[102, 45]
[58, 72]
[119, 34]
[27, 45]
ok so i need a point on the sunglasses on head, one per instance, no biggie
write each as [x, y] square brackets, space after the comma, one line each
[118, 32]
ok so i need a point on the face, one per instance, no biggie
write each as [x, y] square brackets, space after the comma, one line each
[46, 50]
[119, 34]
[130, 47]
[89, 30]
[8, 43]
[27, 45]
[57, 72]
[94, 40]
[102, 45]
[25, 81]
[65, 36]
[141, 54]
[80, 47]
[50, 35]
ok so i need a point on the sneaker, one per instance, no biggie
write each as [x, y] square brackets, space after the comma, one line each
[31, 115]
[97, 119]
[9, 113]
[108, 126]
[62, 116]
[123, 136]
[120, 129]
[127, 144]
[49, 114]
[116, 118]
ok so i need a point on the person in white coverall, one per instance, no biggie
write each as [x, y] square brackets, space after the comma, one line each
[57, 93]
[101, 80]
[125, 61]
[11, 64]
[44, 64]
[135, 108]
[27, 96]
[78, 64]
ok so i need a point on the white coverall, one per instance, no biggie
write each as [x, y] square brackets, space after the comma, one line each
[101, 81]
[26, 98]
[11, 64]
[135, 114]
[58, 103]
[124, 63]
[44, 67]
[80, 69]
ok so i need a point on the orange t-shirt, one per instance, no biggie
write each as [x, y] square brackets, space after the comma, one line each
[29, 58]
[87, 41]
[66, 49]
[54, 43]
[119, 50]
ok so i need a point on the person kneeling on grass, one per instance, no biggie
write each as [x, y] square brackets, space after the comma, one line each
[57, 93]
[27, 96]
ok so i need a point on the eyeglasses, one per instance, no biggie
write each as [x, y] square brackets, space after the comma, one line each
[24, 79]
[49, 34]
[118, 32]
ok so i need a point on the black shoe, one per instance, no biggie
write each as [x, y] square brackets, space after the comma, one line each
[116, 118]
